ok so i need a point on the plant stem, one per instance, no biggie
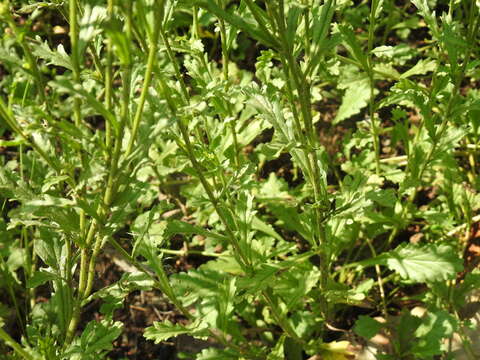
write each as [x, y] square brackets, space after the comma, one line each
[152, 56]
[371, 106]
[109, 82]
[73, 22]
[113, 176]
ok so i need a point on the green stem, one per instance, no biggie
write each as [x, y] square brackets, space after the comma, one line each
[152, 56]
[195, 31]
[113, 176]
[109, 82]
[11, 292]
[308, 35]
[371, 105]
[380, 281]
[245, 263]
[73, 22]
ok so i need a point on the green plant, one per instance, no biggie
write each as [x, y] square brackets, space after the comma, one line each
[149, 98]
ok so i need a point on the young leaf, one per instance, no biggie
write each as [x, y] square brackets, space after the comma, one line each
[436, 326]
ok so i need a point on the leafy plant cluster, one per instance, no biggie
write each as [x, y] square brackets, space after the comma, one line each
[318, 157]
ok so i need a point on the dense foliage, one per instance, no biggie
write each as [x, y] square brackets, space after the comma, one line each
[292, 177]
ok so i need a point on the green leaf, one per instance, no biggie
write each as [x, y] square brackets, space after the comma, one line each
[262, 226]
[262, 278]
[278, 352]
[382, 197]
[425, 264]
[121, 43]
[321, 24]
[429, 16]
[114, 295]
[39, 278]
[356, 97]
[27, 9]
[435, 327]
[162, 331]
[54, 180]
[49, 248]
[367, 327]
[182, 227]
[292, 23]
[226, 264]
[57, 58]
[98, 336]
[149, 232]
[429, 263]
[453, 43]
[422, 67]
